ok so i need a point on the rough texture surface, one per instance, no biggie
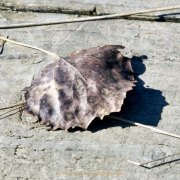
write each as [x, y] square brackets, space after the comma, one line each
[28, 151]
[74, 91]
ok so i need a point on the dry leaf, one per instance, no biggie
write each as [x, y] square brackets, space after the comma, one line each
[74, 90]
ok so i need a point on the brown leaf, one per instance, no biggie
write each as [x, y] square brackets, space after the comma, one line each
[74, 90]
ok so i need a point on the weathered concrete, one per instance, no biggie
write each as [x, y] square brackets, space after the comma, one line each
[28, 151]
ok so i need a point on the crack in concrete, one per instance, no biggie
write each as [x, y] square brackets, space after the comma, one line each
[45, 9]
[16, 150]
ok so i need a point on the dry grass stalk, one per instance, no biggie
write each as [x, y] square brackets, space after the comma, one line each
[42, 50]
[104, 17]
[5, 113]
[20, 104]
[13, 110]
[29, 46]
[147, 127]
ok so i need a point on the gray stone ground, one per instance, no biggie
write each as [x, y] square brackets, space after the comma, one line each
[29, 151]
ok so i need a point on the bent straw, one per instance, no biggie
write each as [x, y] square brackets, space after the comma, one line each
[147, 127]
[104, 17]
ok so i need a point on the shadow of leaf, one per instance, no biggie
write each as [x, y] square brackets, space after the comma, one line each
[142, 105]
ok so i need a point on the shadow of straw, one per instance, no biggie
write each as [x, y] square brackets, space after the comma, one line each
[145, 165]
[161, 164]
[164, 17]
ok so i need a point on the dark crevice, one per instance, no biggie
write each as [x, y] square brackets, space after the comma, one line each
[46, 9]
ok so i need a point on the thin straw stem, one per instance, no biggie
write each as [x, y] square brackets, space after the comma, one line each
[147, 127]
[104, 17]
[29, 46]
[18, 107]
[47, 52]
[11, 114]
[12, 106]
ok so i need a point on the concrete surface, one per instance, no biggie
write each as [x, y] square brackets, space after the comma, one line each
[28, 151]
